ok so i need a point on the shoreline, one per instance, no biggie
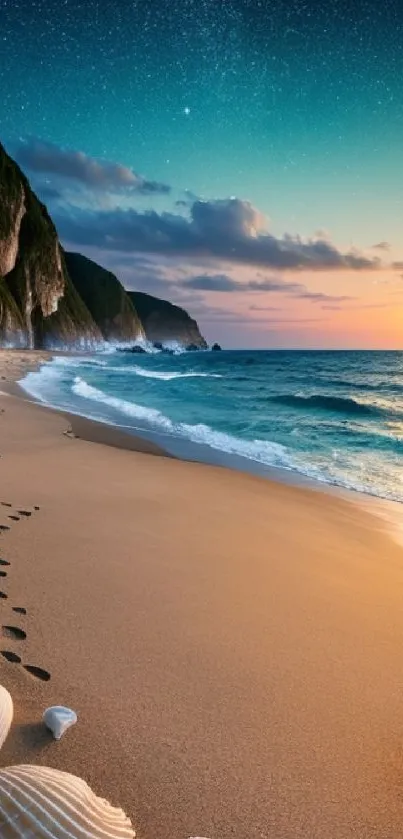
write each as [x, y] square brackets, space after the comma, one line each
[388, 511]
[232, 674]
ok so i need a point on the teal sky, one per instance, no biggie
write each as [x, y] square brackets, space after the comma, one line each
[294, 106]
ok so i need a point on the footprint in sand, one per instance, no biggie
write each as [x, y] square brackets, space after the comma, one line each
[10, 656]
[14, 632]
[39, 672]
[4, 562]
[14, 518]
[3, 573]
[5, 504]
[4, 527]
[20, 610]
[36, 507]
[3, 595]
[24, 513]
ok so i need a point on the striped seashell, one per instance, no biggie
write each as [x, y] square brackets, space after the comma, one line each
[6, 713]
[41, 803]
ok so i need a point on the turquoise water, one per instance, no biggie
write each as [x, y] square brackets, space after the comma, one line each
[336, 417]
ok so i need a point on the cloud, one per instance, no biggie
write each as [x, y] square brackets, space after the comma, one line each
[188, 199]
[264, 309]
[228, 229]
[381, 246]
[224, 283]
[213, 282]
[44, 158]
[357, 307]
[319, 297]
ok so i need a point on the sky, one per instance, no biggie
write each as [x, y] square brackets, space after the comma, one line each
[242, 158]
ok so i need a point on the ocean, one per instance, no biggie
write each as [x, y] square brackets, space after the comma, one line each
[331, 417]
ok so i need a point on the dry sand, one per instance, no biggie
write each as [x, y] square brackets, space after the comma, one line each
[233, 647]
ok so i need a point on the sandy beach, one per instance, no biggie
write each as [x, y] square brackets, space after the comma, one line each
[232, 646]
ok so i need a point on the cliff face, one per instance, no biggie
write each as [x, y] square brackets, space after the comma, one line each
[12, 209]
[12, 330]
[53, 299]
[105, 298]
[163, 321]
[37, 301]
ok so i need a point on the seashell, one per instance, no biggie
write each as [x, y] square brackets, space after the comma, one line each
[44, 803]
[6, 713]
[58, 719]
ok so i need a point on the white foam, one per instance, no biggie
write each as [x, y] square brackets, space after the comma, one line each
[262, 451]
[131, 409]
[47, 385]
[78, 361]
[164, 375]
[37, 383]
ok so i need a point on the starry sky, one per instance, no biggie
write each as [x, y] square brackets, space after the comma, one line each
[242, 158]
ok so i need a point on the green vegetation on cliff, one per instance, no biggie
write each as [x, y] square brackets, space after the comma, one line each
[106, 299]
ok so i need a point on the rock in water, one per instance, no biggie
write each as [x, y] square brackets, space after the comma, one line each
[58, 719]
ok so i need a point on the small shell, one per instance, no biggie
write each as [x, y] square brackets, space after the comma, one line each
[58, 719]
[6, 713]
[44, 803]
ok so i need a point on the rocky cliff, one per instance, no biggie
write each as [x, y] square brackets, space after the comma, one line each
[52, 299]
[105, 298]
[163, 321]
[39, 306]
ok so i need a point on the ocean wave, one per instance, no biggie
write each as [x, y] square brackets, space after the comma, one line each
[131, 409]
[346, 383]
[163, 375]
[261, 451]
[77, 361]
[345, 405]
[264, 452]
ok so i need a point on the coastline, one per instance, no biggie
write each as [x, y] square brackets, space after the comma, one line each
[387, 511]
[231, 644]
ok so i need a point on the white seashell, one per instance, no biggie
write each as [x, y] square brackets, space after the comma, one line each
[44, 803]
[58, 719]
[6, 713]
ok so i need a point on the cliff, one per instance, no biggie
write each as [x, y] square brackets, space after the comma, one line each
[39, 306]
[52, 299]
[105, 298]
[163, 321]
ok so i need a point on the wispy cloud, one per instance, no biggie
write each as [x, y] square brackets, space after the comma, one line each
[228, 285]
[46, 159]
[381, 246]
[264, 308]
[357, 307]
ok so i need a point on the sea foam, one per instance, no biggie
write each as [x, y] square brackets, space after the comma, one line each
[163, 375]
[262, 451]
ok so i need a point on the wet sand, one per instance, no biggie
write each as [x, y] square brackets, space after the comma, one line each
[232, 646]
